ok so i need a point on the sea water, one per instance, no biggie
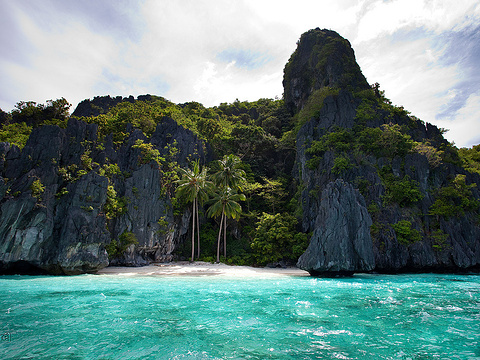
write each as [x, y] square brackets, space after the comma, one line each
[123, 317]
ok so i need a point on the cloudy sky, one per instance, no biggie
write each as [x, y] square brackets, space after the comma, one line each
[424, 53]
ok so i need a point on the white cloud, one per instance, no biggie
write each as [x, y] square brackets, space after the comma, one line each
[224, 83]
[216, 51]
[412, 80]
[302, 15]
[402, 45]
[463, 128]
[66, 61]
[385, 18]
[184, 40]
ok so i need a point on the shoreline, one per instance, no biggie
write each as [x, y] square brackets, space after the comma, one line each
[200, 268]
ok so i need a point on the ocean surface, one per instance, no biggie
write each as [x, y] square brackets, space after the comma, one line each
[118, 317]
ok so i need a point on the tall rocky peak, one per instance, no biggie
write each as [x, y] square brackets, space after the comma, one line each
[322, 59]
[381, 190]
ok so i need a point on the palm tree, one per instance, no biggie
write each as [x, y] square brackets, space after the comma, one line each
[230, 175]
[194, 186]
[229, 179]
[225, 203]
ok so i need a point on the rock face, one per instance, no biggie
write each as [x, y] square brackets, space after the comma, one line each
[378, 189]
[323, 58]
[144, 210]
[57, 190]
[44, 232]
[399, 182]
[79, 234]
[341, 242]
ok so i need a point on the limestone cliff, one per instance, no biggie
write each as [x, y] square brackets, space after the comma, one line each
[59, 195]
[375, 187]
[406, 174]
[341, 242]
[322, 59]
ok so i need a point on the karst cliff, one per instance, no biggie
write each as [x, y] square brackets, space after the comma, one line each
[372, 188]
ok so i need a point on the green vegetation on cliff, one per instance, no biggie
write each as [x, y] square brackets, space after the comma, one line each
[250, 130]
[263, 134]
[269, 160]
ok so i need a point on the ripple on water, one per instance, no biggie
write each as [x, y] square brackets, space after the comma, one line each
[366, 316]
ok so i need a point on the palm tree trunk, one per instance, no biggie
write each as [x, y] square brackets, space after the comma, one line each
[198, 233]
[225, 237]
[193, 230]
[218, 240]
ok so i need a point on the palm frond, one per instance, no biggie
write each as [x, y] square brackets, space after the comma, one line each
[229, 175]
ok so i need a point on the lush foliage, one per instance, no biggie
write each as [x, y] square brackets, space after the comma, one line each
[388, 141]
[117, 248]
[341, 164]
[433, 155]
[53, 112]
[471, 158]
[276, 238]
[114, 206]
[455, 199]
[144, 115]
[37, 189]
[18, 124]
[439, 240]
[16, 133]
[403, 191]
[314, 104]
[406, 234]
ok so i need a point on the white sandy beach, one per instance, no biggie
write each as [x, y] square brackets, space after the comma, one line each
[199, 268]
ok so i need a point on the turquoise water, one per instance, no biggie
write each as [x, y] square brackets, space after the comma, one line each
[118, 317]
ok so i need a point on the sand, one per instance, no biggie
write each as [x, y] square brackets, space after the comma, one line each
[199, 268]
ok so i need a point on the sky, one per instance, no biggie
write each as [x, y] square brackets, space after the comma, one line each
[425, 54]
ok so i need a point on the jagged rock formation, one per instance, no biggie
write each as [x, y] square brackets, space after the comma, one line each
[62, 228]
[400, 182]
[323, 58]
[378, 189]
[341, 242]
[52, 235]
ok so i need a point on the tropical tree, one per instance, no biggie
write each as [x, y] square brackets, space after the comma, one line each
[272, 191]
[230, 174]
[194, 186]
[225, 204]
[228, 180]
[276, 238]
